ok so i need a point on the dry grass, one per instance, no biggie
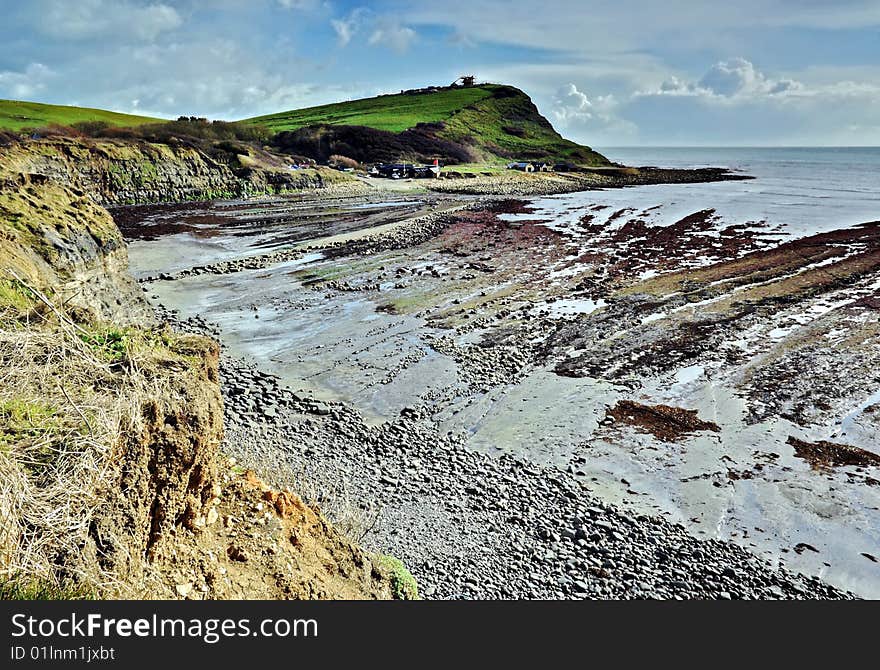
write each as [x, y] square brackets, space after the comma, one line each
[337, 502]
[328, 491]
[65, 400]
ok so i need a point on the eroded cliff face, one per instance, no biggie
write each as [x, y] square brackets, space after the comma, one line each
[58, 241]
[115, 172]
[111, 478]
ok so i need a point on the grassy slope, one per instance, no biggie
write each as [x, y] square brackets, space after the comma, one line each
[394, 113]
[487, 119]
[473, 116]
[16, 114]
[476, 117]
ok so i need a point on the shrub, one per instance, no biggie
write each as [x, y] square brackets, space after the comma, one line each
[369, 145]
[189, 129]
[403, 584]
[56, 130]
[92, 128]
[112, 342]
[516, 131]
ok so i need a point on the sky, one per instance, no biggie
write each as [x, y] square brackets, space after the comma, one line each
[604, 72]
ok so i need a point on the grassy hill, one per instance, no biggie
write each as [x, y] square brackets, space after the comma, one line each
[490, 122]
[15, 115]
[394, 113]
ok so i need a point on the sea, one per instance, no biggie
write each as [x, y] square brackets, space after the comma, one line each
[797, 190]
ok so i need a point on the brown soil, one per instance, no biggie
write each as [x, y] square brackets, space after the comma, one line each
[823, 455]
[666, 423]
[255, 542]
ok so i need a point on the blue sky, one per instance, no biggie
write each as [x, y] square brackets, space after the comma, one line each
[621, 72]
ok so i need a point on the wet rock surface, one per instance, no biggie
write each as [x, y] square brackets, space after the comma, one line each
[470, 525]
[456, 373]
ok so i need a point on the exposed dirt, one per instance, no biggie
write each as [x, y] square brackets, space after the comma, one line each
[256, 542]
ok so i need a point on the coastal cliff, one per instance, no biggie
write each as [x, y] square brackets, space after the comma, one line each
[115, 172]
[112, 482]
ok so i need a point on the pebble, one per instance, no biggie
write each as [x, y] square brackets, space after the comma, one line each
[546, 536]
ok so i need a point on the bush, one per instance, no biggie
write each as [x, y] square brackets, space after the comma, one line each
[369, 145]
[403, 584]
[516, 131]
[188, 129]
[55, 130]
[92, 128]
[112, 343]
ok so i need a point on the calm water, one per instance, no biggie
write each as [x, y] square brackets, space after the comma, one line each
[801, 189]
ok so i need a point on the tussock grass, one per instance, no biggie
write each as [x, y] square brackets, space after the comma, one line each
[24, 588]
[67, 395]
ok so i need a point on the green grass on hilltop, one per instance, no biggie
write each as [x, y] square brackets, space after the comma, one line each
[508, 124]
[497, 123]
[16, 114]
[394, 113]
[490, 123]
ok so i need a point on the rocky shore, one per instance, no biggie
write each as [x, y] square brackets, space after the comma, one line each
[463, 381]
[469, 525]
[512, 183]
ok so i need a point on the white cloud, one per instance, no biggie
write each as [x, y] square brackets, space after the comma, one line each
[594, 27]
[735, 102]
[383, 30]
[571, 101]
[26, 84]
[90, 19]
[214, 78]
[347, 27]
[738, 81]
[392, 35]
[738, 76]
[574, 111]
[732, 80]
[303, 5]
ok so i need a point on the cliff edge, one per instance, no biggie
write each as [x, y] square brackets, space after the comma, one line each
[112, 483]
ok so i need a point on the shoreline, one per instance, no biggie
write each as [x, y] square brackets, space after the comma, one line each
[357, 270]
[448, 198]
[513, 183]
